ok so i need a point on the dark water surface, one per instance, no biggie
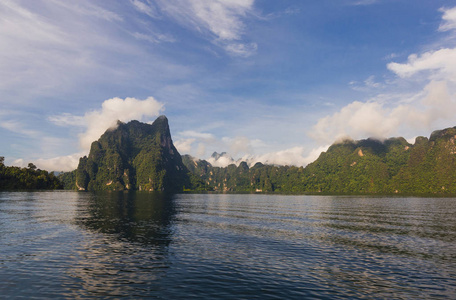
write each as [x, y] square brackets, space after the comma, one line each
[141, 245]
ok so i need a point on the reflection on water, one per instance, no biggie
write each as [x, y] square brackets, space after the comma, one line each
[138, 245]
[129, 253]
[142, 218]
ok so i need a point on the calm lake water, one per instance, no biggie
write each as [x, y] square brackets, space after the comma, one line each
[139, 245]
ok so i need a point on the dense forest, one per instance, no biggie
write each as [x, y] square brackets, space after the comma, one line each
[31, 178]
[369, 166]
[138, 156]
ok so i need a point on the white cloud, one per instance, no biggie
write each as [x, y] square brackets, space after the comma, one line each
[117, 109]
[449, 19]
[369, 84]
[18, 127]
[242, 149]
[222, 161]
[184, 146]
[88, 9]
[98, 121]
[295, 156]
[221, 20]
[154, 38]
[442, 62]
[95, 124]
[242, 50]
[67, 119]
[381, 120]
[43, 51]
[58, 164]
[357, 119]
[431, 105]
[198, 135]
[194, 142]
[238, 145]
[146, 7]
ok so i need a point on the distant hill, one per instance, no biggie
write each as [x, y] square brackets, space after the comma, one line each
[350, 167]
[242, 178]
[138, 156]
[133, 156]
[393, 166]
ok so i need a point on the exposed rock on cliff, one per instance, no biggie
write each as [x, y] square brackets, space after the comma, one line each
[133, 156]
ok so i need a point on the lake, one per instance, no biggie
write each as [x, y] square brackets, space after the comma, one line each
[62, 244]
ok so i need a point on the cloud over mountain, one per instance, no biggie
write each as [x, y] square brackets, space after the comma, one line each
[428, 105]
[96, 122]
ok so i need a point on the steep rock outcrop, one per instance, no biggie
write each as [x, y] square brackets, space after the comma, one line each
[133, 156]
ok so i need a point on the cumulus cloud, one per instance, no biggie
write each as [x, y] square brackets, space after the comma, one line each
[295, 156]
[194, 142]
[98, 121]
[238, 145]
[381, 120]
[58, 164]
[442, 62]
[241, 148]
[397, 114]
[222, 160]
[184, 146]
[94, 124]
[355, 120]
[449, 19]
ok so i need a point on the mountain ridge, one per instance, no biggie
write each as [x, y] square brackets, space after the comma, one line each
[367, 166]
[138, 156]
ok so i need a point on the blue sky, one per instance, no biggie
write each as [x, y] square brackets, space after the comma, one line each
[270, 81]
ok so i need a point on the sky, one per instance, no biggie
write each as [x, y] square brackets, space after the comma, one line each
[263, 80]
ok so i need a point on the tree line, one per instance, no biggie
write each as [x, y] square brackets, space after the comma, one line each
[30, 178]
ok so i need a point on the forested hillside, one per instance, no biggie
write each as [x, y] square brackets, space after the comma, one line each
[141, 156]
[369, 166]
[14, 178]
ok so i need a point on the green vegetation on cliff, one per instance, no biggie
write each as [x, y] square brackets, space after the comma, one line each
[349, 167]
[139, 156]
[366, 166]
[133, 156]
[31, 178]
[259, 178]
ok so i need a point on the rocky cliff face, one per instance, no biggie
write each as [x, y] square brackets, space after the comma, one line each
[133, 156]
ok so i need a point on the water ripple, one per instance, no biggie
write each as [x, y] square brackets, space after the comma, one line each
[144, 245]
